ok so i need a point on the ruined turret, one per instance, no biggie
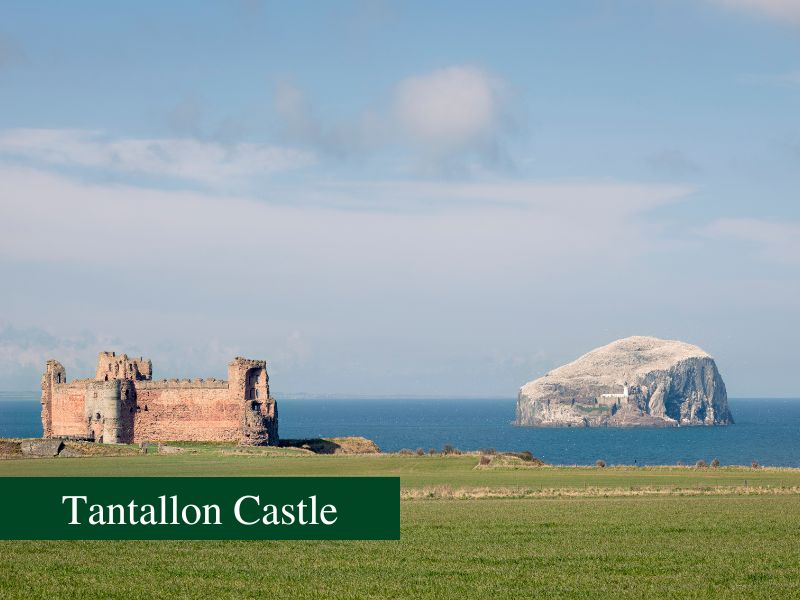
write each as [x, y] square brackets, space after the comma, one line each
[111, 366]
[249, 382]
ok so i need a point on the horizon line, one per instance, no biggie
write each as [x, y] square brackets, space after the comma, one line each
[387, 396]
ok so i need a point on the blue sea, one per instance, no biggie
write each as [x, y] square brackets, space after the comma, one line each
[766, 430]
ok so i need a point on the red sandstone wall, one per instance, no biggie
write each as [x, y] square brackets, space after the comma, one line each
[67, 409]
[186, 413]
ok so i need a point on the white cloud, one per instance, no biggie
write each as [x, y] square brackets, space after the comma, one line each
[424, 214]
[184, 159]
[444, 117]
[784, 11]
[451, 109]
[778, 241]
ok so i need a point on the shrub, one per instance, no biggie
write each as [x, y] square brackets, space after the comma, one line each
[485, 459]
[405, 452]
[526, 456]
[700, 464]
[420, 452]
[680, 463]
[755, 464]
[715, 463]
[432, 451]
[448, 449]
[490, 451]
[600, 463]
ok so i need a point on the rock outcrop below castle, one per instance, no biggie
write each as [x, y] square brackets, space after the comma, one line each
[123, 404]
[635, 381]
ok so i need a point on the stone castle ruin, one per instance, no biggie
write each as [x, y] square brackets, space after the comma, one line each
[124, 405]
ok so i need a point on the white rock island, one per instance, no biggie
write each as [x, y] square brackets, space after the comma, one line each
[633, 382]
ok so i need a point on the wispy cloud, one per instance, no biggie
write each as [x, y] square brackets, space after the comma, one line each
[389, 217]
[183, 159]
[445, 118]
[24, 351]
[431, 196]
[301, 125]
[778, 241]
[783, 11]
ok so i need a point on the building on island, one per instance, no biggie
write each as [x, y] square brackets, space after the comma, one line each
[123, 404]
[624, 395]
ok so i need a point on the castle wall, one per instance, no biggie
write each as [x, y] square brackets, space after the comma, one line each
[171, 410]
[67, 409]
[186, 410]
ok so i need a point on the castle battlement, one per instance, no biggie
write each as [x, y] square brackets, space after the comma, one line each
[123, 404]
[212, 384]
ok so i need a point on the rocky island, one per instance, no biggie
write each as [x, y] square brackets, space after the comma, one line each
[635, 381]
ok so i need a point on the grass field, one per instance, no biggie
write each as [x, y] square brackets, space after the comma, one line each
[727, 545]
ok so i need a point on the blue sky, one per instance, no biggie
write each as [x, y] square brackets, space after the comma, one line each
[399, 198]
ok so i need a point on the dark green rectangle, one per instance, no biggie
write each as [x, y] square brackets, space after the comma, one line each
[35, 508]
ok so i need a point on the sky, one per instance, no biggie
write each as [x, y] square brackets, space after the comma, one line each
[399, 199]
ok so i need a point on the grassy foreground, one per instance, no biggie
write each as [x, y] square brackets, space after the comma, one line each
[731, 544]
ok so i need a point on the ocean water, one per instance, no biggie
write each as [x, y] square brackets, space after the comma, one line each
[766, 430]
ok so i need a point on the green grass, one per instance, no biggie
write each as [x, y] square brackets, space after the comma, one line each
[634, 548]
[724, 546]
[414, 471]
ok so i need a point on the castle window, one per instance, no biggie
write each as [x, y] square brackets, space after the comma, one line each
[256, 393]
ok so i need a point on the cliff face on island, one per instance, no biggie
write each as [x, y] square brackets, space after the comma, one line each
[635, 381]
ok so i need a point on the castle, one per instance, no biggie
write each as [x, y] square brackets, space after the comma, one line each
[123, 405]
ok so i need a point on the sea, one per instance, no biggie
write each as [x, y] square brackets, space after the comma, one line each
[767, 430]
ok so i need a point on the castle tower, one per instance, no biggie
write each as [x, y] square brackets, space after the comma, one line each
[112, 366]
[54, 374]
[248, 384]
